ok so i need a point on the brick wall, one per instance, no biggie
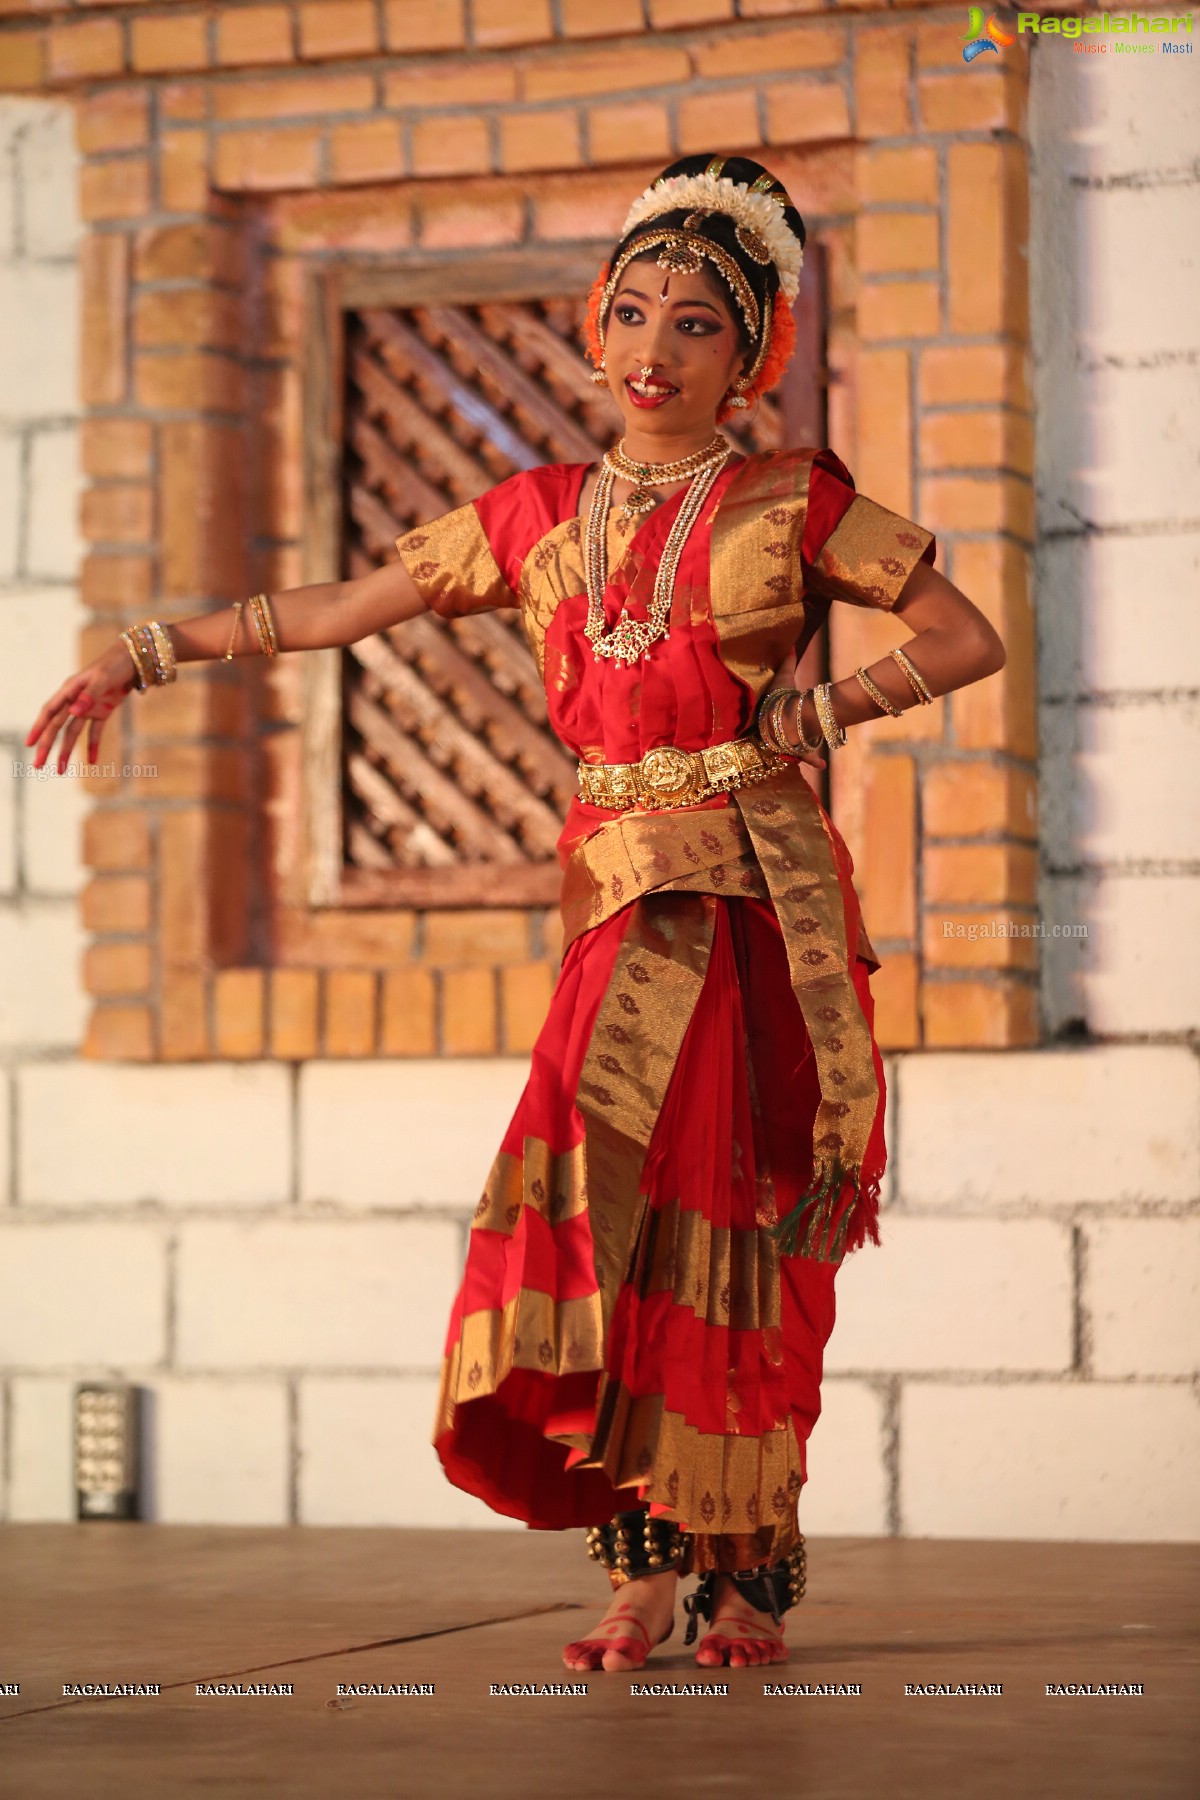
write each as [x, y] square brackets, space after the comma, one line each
[230, 151]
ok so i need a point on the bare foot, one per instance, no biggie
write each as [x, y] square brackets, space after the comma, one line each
[738, 1635]
[641, 1615]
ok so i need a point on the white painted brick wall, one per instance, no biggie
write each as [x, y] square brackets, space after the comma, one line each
[41, 1432]
[847, 1491]
[1141, 1296]
[220, 1451]
[75, 1292]
[1083, 1459]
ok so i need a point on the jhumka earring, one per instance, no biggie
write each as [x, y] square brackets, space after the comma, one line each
[737, 398]
[600, 376]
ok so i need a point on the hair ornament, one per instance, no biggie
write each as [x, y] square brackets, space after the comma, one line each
[758, 214]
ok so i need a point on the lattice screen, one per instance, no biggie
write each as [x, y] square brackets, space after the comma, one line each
[454, 786]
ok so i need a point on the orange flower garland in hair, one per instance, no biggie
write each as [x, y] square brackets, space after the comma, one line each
[783, 342]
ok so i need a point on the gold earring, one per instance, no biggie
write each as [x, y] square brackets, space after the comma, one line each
[736, 397]
[600, 376]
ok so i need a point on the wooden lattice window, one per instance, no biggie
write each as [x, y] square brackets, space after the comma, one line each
[435, 778]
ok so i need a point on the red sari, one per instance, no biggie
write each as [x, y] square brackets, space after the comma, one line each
[628, 1328]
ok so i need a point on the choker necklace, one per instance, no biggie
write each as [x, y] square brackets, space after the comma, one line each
[645, 476]
[631, 639]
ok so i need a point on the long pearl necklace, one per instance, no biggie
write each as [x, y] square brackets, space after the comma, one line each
[631, 639]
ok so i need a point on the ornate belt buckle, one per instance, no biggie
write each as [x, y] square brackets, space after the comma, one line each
[669, 774]
[622, 780]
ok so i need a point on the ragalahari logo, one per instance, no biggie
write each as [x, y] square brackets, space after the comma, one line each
[984, 37]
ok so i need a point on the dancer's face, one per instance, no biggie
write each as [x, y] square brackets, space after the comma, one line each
[682, 329]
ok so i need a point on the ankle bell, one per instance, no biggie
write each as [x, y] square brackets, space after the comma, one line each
[633, 1544]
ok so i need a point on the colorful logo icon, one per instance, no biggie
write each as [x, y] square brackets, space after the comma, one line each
[984, 37]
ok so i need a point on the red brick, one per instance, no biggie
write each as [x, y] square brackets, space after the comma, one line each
[409, 1025]
[294, 997]
[104, 270]
[116, 903]
[189, 381]
[184, 102]
[540, 140]
[183, 171]
[899, 176]
[254, 34]
[882, 62]
[118, 968]
[89, 47]
[895, 989]
[584, 72]
[987, 239]
[338, 28]
[947, 942]
[884, 464]
[23, 60]
[370, 150]
[351, 218]
[525, 990]
[120, 1032]
[457, 83]
[978, 503]
[803, 112]
[771, 52]
[669, 15]
[899, 309]
[114, 119]
[612, 129]
[350, 1006]
[201, 509]
[116, 838]
[617, 18]
[998, 1014]
[995, 439]
[193, 318]
[424, 24]
[262, 161]
[499, 23]
[967, 799]
[469, 1012]
[559, 206]
[119, 189]
[198, 251]
[238, 1001]
[452, 145]
[972, 100]
[183, 1016]
[116, 584]
[975, 375]
[473, 219]
[476, 935]
[169, 41]
[295, 96]
[112, 449]
[196, 772]
[891, 243]
[728, 118]
[980, 874]
[118, 514]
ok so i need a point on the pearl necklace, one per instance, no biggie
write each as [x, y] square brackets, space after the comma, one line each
[631, 639]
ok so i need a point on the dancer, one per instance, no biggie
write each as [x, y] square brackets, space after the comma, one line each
[637, 1343]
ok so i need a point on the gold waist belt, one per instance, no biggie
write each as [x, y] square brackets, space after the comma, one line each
[669, 776]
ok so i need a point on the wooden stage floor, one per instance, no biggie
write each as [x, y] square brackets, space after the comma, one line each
[183, 1606]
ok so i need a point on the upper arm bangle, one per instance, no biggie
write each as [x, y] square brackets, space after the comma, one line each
[877, 694]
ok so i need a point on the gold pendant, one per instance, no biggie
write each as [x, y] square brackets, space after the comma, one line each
[641, 500]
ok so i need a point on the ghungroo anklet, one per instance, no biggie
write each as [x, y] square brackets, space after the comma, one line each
[633, 1544]
[771, 1587]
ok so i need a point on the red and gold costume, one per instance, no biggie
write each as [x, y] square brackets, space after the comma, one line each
[628, 1329]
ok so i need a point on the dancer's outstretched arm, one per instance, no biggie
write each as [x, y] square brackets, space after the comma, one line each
[325, 616]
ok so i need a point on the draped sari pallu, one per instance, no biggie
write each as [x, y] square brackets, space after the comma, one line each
[565, 1232]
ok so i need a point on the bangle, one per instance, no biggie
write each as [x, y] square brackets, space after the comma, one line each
[237, 619]
[915, 678]
[819, 740]
[264, 624]
[833, 733]
[765, 721]
[141, 669]
[152, 652]
[877, 694]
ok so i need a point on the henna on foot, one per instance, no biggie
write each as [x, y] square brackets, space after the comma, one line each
[640, 1616]
[738, 1634]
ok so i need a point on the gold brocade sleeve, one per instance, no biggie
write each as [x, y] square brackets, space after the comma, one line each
[452, 565]
[870, 555]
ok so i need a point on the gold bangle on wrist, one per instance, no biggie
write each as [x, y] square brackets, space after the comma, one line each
[237, 619]
[152, 652]
[833, 733]
[877, 694]
[800, 731]
[264, 624]
[915, 678]
[764, 720]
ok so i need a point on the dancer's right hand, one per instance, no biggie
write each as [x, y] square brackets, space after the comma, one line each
[89, 697]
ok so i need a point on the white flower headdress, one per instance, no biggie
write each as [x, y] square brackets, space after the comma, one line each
[757, 213]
